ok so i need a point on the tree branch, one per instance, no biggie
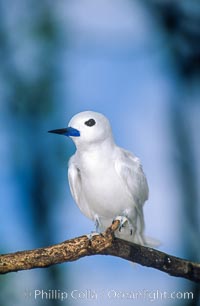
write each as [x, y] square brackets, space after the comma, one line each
[103, 244]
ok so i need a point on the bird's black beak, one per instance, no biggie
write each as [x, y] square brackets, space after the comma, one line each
[69, 131]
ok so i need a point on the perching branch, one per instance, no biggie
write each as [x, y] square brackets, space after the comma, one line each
[104, 244]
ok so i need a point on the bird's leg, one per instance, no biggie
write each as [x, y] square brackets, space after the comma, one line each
[97, 223]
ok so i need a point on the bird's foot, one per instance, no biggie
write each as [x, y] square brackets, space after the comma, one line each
[122, 220]
[92, 234]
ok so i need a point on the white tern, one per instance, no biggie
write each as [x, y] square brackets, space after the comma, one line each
[106, 181]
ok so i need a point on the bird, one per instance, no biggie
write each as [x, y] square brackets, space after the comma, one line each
[106, 181]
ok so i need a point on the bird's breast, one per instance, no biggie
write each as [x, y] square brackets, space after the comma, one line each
[103, 189]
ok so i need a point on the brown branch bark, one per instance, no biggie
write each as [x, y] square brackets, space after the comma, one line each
[104, 244]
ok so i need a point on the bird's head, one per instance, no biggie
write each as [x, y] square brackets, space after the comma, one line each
[87, 128]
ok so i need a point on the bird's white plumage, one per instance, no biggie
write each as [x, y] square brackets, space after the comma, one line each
[105, 180]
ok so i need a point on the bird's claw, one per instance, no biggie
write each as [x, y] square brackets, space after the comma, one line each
[122, 220]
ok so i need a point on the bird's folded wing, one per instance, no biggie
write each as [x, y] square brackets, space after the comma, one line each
[74, 180]
[129, 169]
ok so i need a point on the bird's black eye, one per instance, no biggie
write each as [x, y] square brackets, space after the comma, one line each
[90, 122]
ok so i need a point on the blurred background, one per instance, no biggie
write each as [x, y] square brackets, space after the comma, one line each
[136, 61]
